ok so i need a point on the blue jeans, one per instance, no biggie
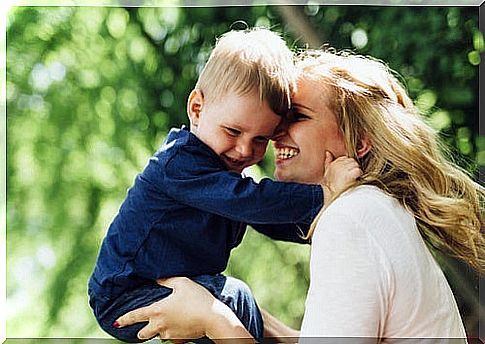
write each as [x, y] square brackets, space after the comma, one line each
[231, 291]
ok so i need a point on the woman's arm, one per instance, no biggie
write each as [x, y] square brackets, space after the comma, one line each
[189, 312]
[224, 324]
[274, 328]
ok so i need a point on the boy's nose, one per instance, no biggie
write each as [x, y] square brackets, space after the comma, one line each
[245, 150]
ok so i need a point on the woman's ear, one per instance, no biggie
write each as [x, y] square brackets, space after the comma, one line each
[194, 107]
[364, 146]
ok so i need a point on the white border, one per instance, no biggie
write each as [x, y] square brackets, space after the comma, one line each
[6, 5]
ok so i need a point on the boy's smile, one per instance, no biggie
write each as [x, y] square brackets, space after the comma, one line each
[236, 127]
[233, 164]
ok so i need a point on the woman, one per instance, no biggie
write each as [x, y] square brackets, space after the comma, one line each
[372, 274]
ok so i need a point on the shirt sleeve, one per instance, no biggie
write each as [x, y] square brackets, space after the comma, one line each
[285, 232]
[195, 180]
[349, 282]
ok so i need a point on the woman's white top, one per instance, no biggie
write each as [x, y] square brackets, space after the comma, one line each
[371, 275]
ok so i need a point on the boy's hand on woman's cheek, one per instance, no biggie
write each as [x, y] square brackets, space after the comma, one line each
[339, 174]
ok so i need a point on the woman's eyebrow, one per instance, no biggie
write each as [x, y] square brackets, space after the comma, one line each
[303, 106]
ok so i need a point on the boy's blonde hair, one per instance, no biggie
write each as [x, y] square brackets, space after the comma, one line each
[407, 159]
[246, 60]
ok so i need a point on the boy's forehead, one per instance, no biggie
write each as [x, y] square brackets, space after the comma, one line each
[251, 119]
[259, 130]
[259, 121]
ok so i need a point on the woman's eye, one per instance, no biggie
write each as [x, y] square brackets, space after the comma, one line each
[294, 116]
[299, 116]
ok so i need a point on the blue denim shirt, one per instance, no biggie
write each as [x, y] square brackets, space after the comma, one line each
[185, 212]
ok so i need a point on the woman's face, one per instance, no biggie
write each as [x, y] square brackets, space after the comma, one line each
[300, 146]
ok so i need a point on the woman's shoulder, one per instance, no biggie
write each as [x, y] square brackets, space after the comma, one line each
[363, 198]
[368, 206]
[367, 218]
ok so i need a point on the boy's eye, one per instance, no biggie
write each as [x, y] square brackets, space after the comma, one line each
[232, 131]
[261, 139]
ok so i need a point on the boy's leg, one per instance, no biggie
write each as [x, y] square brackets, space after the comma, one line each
[130, 300]
[237, 296]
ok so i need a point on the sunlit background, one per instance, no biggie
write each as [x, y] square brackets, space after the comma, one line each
[92, 92]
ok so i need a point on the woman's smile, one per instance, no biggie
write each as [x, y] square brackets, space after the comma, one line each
[311, 130]
[284, 153]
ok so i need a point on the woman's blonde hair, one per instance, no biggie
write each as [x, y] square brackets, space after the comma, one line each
[246, 60]
[406, 160]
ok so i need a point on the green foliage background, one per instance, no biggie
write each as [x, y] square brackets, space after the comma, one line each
[92, 92]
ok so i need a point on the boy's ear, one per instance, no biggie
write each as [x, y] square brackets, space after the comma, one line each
[364, 146]
[194, 107]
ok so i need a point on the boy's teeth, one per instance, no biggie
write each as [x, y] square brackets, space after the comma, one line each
[286, 153]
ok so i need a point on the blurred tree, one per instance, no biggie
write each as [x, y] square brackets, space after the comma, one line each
[92, 92]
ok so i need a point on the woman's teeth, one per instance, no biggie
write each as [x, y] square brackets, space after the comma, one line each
[286, 153]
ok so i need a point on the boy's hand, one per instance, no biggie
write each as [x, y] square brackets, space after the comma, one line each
[339, 174]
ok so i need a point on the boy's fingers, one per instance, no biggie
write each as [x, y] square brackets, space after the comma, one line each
[342, 158]
[171, 282]
[345, 159]
[349, 162]
[356, 172]
[328, 158]
[132, 317]
[355, 165]
[165, 282]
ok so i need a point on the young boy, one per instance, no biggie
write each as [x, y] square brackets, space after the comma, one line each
[190, 205]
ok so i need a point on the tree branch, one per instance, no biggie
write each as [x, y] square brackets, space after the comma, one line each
[299, 25]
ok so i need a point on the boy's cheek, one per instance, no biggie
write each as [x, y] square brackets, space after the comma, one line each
[259, 155]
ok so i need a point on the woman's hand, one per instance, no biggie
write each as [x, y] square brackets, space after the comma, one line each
[189, 312]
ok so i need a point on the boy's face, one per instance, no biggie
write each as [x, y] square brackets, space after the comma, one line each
[237, 128]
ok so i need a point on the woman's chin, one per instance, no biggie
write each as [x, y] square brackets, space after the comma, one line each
[279, 175]
[283, 173]
[280, 172]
